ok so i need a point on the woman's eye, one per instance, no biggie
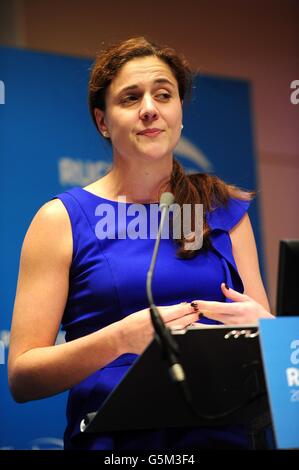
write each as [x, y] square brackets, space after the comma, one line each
[164, 96]
[129, 99]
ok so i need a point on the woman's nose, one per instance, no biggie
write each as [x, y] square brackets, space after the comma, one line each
[148, 111]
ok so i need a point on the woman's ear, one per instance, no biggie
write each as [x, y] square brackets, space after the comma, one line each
[100, 120]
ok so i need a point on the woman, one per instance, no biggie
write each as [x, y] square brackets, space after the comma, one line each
[95, 287]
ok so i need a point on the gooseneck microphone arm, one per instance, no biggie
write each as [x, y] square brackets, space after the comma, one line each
[165, 338]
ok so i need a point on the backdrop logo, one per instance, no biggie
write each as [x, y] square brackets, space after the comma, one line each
[295, 94]
[40, 443]
[193, 155]
[80, 172]
[4, 343]
[2, 92]
[2, 353]
[292, 373]
[46, 443]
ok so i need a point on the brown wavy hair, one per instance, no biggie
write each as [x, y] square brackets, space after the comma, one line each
[200, 188]
[206, 189]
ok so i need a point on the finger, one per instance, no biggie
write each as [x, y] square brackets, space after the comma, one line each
[183, 322]
[175, 311]
[212, 307]
[233, 294]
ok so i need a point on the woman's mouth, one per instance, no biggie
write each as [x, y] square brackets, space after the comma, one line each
[154, 132]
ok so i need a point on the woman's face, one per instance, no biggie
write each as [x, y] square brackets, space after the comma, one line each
[143, 114]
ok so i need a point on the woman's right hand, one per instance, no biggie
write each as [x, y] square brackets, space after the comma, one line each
[136, 330]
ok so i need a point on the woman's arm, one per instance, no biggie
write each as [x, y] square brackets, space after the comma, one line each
[246, 257]
[37, 367]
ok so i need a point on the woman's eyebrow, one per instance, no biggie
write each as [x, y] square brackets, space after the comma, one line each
[161, 81]
[164, 81]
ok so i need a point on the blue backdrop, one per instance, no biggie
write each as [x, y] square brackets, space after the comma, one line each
[48, 143]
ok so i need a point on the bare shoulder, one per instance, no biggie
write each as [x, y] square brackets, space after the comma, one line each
[50, 232]
[53, 211]
[242, 238]
[243, 228]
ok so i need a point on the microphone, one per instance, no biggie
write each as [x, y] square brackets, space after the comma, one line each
[166, 340]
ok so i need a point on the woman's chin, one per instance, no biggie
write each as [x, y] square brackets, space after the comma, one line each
[155, 157]
[155, 154]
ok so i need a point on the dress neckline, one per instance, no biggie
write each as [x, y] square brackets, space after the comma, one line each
[116, 202]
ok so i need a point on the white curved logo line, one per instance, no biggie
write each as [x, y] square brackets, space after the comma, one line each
[189, 151]
[46, 442]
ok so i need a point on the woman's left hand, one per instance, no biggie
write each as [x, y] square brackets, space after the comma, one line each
[243, 309]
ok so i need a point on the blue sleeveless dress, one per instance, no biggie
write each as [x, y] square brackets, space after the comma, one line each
[108, 282]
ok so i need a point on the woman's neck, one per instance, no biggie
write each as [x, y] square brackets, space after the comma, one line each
[141, 184]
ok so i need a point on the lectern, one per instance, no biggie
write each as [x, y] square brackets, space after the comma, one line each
[225, 375]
